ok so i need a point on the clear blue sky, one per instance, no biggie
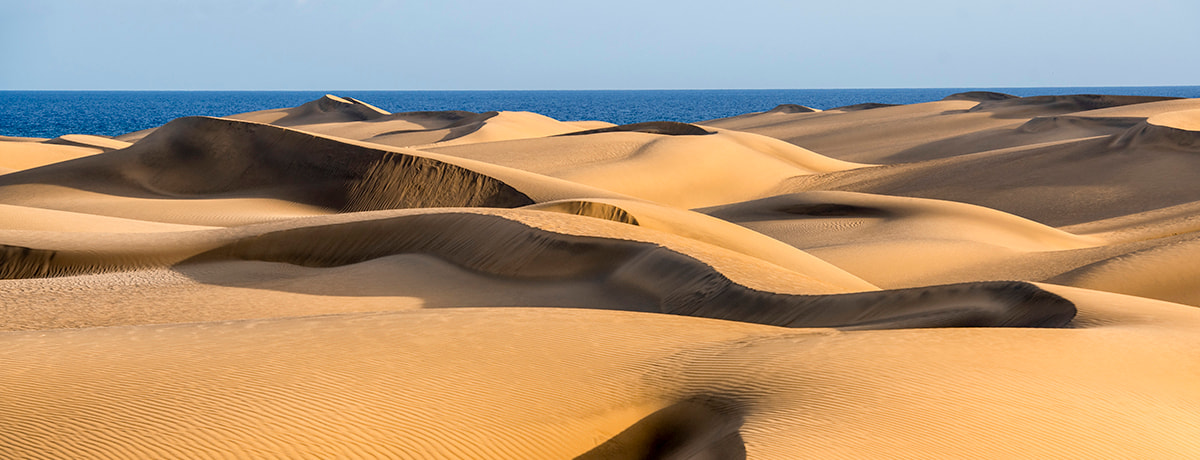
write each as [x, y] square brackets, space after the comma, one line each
[613, 44]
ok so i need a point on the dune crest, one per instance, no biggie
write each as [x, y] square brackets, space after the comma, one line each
[863, 106]
[1183, 120]
[792, 108]
[1175, 132]
[1021, 106]
[22, 154]
[83, 140]
[326, 109]
[669, 128]
[979, 96]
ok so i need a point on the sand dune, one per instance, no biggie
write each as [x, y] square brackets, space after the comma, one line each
[1058, 183]
[546, 383]
[1164, 271]
[21, 154]
[897, 242]
[978, 96]
[350, 118]
[837, 133]
[754, 117]
[327, 109]
[901, 242]
[718, 168]
[1021, 107]
[84, 140]
[200, 163]
[902, 133]
[708, 230]
[670, 275]
[353, 119]
[984, 276]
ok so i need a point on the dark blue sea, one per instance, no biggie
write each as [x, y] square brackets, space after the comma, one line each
[54, 113]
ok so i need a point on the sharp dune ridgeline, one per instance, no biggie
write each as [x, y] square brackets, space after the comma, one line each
[984, 276]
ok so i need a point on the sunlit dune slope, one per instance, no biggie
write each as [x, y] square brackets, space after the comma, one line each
[956, 125]
[548, 383]
[682, 170]
[985, 276]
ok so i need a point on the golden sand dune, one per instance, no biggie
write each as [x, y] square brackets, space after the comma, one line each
[902, 242]
[1065, 182]
[711, 169]
[897, 242]
[651, 270]
[354, 119]
[22, 153]
[869, 281]
[717, 232]
[837, 133]
[921, 131]
[549, 383]
[84, 140]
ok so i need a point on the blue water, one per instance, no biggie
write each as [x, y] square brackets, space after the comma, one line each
[54, 113]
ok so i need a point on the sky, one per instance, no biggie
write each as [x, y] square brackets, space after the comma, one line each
[612, 44]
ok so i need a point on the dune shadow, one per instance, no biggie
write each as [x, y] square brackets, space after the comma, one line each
[668, 128]
[699, 428]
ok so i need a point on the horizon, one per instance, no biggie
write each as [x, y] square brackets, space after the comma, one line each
[969, 88]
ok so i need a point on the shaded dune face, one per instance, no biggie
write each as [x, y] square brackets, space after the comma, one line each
[1046, 105]
[978, 96]
[592, 209]
[781, 109]
[22, 262]
[447, 125]
[200, 156]
[1038, 130]
[791, 108]
[1137, 170]
[825, 218]
[957, 125]
[1150, 135]
[863, 106]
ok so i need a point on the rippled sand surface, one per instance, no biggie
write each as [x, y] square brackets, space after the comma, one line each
[982, 276]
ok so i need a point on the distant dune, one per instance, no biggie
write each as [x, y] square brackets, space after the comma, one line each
[985, 276]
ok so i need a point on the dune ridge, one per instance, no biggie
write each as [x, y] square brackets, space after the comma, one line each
[1060, 104]
[1177, 130]
[670, 128]
[681, 285]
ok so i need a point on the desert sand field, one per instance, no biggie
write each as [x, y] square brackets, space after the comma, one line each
[984, 276]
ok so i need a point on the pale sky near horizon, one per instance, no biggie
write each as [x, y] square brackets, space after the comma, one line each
[615, 44]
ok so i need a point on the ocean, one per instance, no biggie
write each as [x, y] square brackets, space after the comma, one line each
[55, 113]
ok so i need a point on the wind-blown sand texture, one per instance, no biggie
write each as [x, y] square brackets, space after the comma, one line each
[983, 276]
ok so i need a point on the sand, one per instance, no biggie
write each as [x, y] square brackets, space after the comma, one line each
[980, 277]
